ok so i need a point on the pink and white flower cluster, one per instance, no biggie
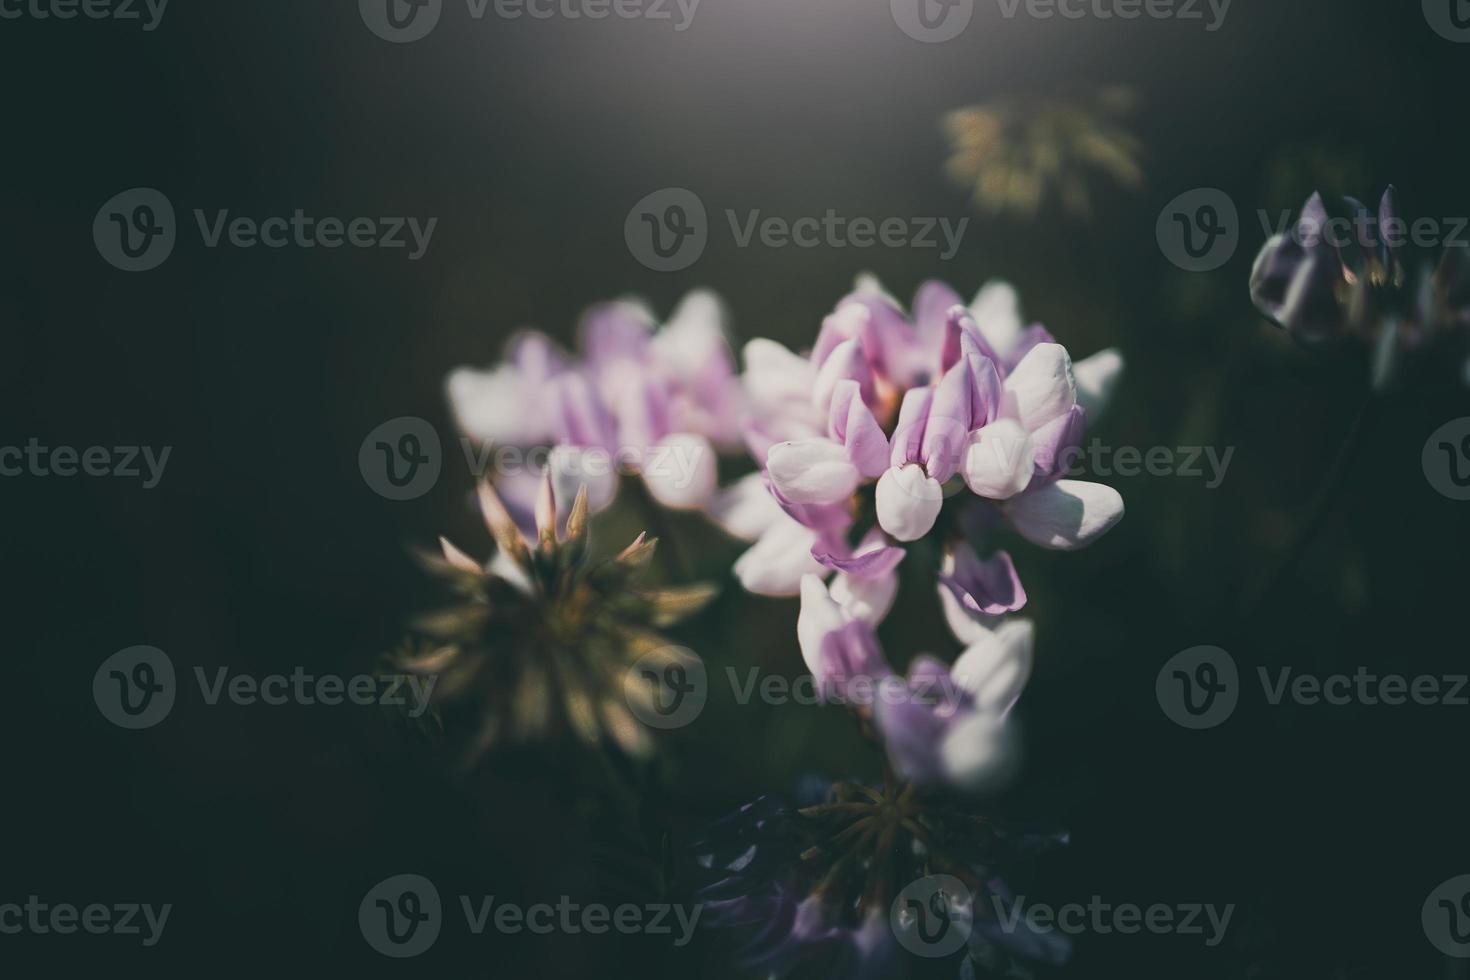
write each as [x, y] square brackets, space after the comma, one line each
[932, 422]
[659, 401]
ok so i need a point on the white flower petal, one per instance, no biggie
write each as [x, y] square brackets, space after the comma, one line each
[995, 669]
[745, 509]
[976, 753]
[908, 502]
[812, 471]
[999, 461]
[997, 312]
[775, 564]
[1096, 378]
[1041, 387]
[680, 472]
[868, 599]
[820, 615]
[1066, 514]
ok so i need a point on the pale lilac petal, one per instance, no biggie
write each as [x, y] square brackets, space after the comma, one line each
[581, 418]
[642, 410]
[999, 461]
[986, 586]
[812, 471]
[947, 429]
[820, 616]
[933, 303]
[908, 502]
[573, 467]
[775, 564]
[852, 424]
[1057, 443]
[908, 434]
[681, 471]
[1040, 387]
[746, 508]
[1066, 514]
[827, 518]
[846, 363]
[847, 657]
[869, 560]
[616, 331]
[997, 312]
[1096, 378]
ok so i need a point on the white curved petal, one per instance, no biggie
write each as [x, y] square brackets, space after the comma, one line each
[997, 312]
[1041, 387]
[1096, 377]
[774, 376]
[967, 627]
[995, 669]
[908, 502]
[868, 599]
[820, 615]
[495, 406]
[680, 472]
[812, 471]
[745, 509]
[1066, 514]
[976, 752]
[999, 461]
[774, 565]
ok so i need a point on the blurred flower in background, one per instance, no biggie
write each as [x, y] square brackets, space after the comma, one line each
[659, 401]
[1016, 153]
[1368, 275]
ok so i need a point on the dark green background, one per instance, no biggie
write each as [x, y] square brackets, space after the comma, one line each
[263, 549]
